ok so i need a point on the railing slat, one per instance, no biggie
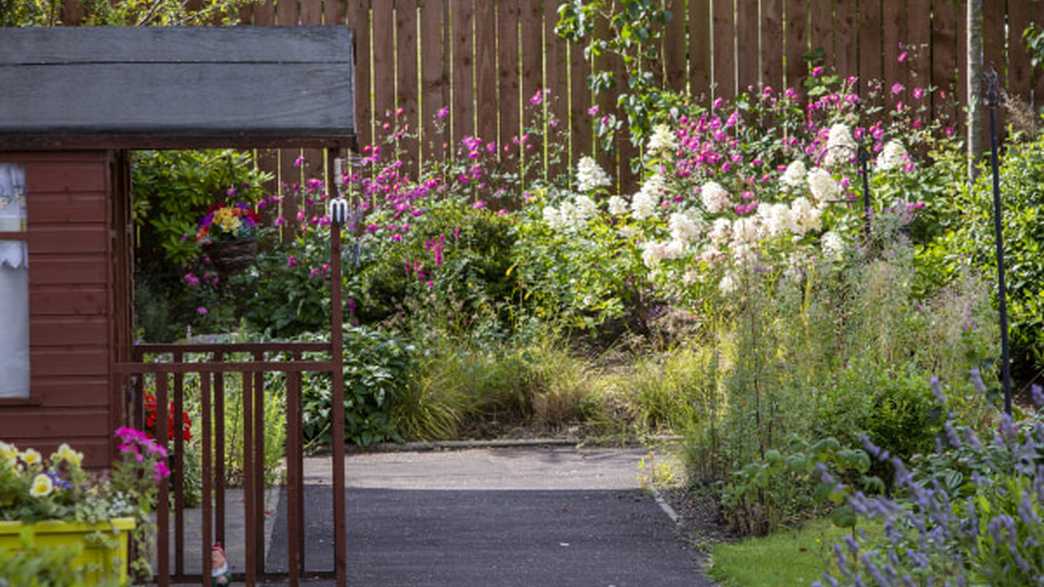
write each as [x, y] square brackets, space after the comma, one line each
[294, 474]
[219, 449]
[208, 480]
[259, 461]
[179, 469]
[163, 500]
[248, 481]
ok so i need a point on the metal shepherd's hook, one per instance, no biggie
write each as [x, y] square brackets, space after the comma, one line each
[992, 101]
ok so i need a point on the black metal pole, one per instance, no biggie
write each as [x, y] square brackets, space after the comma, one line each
[864, 158]
[992, 99]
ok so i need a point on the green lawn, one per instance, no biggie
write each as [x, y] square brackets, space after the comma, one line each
[786, 558]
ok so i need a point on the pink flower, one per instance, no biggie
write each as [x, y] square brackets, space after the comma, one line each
[299, 161]
[160, 471]
[918, 93]
[442, 113]
[202, 311]
[291, 261]
[903, 56]
[897, 88]
[191, 280]
[537, 99]
[717, 104]
[817, 71]
[593, 111]
[479, 204]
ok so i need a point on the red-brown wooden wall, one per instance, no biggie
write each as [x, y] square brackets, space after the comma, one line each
[72, 324]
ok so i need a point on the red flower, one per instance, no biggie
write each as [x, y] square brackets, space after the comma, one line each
[151, 416]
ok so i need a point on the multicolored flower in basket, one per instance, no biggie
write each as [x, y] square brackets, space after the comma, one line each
[228, 222]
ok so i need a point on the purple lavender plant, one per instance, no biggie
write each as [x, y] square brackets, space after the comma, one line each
[969, 514]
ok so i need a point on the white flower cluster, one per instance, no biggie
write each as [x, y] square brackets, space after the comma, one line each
[686, 227]
[833, 244]
[793, 179]
[841, 147]
[662, 140]
[714, 197]
[590, 176]
[653, 252]
[647, 200]
[617, 206]
[822, 185]
[570, 215]
[893, 156]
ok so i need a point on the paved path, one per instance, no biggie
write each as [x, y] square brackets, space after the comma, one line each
[492, 518]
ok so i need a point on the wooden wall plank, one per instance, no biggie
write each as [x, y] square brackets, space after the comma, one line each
[288, 12]
[724, 49]
[748, 34]
[1020, 72]
[895, 30]
[607, 155]
[994, 57]
[919, 38]
[674, 46]
[581, 122]
[358, 19]
[962, 63]
[532, 19]
[846, 45]
[70, 269]
[700, 48]
[486, 70]
[68, 331]
[435, 74]
[509, 74]
[463, 111]
[796, 43]
[822, 31]
[71, 238]
[310, 12]
[944, 57]
[407, 94]
[54, 423]
[556, 64]
[772, 44]
[71, 392]
[383, 15]
[333, 11]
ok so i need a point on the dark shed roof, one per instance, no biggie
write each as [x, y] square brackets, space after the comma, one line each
[151, 87]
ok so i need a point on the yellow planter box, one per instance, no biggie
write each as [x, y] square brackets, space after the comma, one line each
[101, 563]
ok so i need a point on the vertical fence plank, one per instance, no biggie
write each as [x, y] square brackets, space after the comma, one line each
[748, 35]
[724, 49]
[207, 474]
[796, 44]
[383, 15]
[674, 46]
[178, 474]
[607, 154]
[822, 31]
[219, 452]
[407, 94]
[993, 56]
[508, 76]
[919, 38]
[944, 58]
[846, 45]
[263, 14]
[772, 43]
[581, 123]
[871, 52]
[163, 499]
[532, 19]
[358, 18]
[294, 473]
[895, 26]
[435, 76]
[556, 63]
[1020, 72]
[699, 48]
[962, 62]
[486, 70]
[249, 503]
[463, 111]
[259, 463]
[333, 11]
[310, 12]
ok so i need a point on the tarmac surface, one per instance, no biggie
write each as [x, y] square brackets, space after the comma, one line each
[500, 517]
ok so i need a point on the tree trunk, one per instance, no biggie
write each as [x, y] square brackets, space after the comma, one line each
[973, 79]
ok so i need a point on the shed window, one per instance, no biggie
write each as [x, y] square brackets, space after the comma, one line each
[14, 284]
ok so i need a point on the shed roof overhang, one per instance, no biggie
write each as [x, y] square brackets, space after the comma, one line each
[177, 88]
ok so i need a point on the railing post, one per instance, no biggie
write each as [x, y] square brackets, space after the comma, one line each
[336, 351]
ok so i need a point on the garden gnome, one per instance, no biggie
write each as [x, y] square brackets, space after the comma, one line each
[220, 574]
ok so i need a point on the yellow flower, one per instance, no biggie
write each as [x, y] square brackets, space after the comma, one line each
[67, 454]
[31, 457]
[227, 219]
[42, 486]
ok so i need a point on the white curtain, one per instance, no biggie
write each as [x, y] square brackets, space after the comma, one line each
[14, 286]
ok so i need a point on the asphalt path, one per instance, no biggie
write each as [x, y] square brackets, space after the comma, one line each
[492, 518]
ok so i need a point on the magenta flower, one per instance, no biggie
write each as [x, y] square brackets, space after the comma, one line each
[291, 261]
[593, 111]
[918, 93]
[299, 161]
[442, 113]
[191, 280]
[202, 311]
[897, 88]
[903, 56]
[160, 471]
[538, 98]
[479, 204]
[817, 71]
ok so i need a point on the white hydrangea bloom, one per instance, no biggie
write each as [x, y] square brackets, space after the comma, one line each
[822, 185]
[793, 178]
[553, 218]
[727, 285]
[685, 226]
[590, 176]
[841, 147]
[714, 197]
[647, 200]
[653, 252]
[628, 232]
[746, 231]
[617, 206]
[833, 244]
[744, 254]
[775, 218]
[662, 139]
[805, 216]
[675, 249]
[893, 156]
[584, 208]
[720, 232]
[710, 255]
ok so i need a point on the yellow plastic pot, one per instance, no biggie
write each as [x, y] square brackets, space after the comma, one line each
[101, 562]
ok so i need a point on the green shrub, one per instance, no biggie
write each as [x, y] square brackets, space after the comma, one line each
[33, 566]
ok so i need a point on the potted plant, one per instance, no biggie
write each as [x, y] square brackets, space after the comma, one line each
[54, 504]
[228, 235]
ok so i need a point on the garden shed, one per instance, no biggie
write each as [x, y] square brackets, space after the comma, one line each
[76, 102]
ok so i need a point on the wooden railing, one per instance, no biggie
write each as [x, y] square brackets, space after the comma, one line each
[152, 368]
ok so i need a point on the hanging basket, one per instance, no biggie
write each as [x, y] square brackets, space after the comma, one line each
[231, 257]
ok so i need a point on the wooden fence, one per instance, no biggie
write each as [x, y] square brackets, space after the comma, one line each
[484, 58]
